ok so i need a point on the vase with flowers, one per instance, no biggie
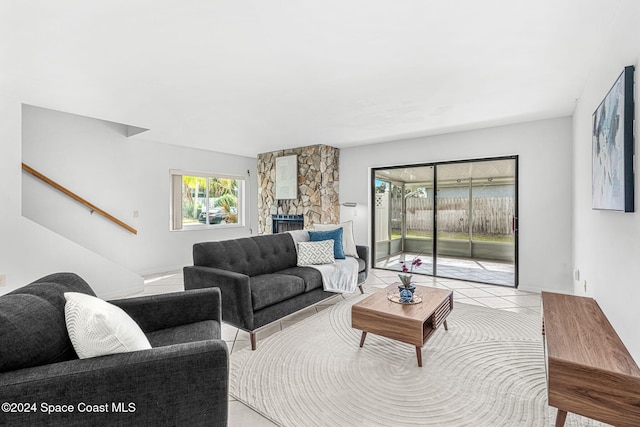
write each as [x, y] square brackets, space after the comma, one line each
[407, 288]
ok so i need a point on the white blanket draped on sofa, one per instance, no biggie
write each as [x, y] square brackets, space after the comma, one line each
[340, 277]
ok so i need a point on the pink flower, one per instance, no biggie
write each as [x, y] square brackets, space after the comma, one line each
[416, 262]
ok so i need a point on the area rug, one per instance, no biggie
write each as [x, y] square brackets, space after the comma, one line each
[486, 370]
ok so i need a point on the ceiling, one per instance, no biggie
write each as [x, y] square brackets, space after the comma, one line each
[247, 77]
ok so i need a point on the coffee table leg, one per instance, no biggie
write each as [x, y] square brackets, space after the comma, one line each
[419, 354]
[364, 335]
[446, 328]
[561, 416]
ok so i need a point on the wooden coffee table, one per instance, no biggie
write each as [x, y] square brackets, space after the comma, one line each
[409, 323]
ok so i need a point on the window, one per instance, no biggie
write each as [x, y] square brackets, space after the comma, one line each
[205, 200]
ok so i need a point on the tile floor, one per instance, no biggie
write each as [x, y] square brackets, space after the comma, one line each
[495, 272]
[487, 295]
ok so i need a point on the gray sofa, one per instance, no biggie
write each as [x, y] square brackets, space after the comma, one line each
[182, 380]
[259, 278]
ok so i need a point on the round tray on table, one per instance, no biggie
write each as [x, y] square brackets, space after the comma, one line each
[394, 295]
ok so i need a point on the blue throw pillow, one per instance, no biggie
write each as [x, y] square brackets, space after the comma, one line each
[335, 235]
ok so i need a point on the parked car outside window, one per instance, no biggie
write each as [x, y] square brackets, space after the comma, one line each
[216, 216]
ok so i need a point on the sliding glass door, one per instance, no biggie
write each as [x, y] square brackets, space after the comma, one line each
[418, 214]
[476, 218]
[460, 217]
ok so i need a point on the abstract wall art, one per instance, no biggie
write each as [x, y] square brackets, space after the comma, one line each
[612, 150]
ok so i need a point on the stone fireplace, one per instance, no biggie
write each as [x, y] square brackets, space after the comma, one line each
[317, 199]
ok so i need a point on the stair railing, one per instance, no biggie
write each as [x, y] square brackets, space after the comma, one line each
[93, 208]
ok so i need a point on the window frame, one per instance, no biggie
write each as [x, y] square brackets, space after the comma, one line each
[176, 196]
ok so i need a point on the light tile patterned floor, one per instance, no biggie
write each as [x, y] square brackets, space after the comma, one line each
[495, 272]
[483, 294]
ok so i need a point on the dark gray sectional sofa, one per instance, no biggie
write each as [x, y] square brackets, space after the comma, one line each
[259, 278]
[182, 380]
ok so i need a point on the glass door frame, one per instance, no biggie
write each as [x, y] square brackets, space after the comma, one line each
[515, 222]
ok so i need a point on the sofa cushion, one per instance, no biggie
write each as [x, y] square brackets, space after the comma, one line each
[335, 235]
[98, 328]
[311, 276]
[32, 333]
[198, 331]
[269, 289]
[252, 256]
[299, 236]
[362, 266]
[32, 326]
[348, 241]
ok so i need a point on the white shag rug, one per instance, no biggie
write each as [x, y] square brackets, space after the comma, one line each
[486, 370]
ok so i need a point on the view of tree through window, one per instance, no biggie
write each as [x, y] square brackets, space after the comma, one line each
[205, 200]
[209, 200]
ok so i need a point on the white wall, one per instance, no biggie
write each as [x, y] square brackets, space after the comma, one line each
[607, 244]
[29, 251]
[120, 175]
[545, 187]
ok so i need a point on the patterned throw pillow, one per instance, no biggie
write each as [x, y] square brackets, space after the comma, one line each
[97, 327]
[335, 235]
[314, 253]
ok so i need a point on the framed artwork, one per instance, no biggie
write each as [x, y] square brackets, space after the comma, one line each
[612, 147]
[287, 177]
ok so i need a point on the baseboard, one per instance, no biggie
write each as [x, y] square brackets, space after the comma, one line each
[544, 289]
[161, 270]
[121, 293]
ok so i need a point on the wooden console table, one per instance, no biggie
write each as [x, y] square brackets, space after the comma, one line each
[589, 370]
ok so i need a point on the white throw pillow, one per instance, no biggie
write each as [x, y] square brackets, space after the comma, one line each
[348, 241]
[314, 253]
[299, 236]
[97, 328]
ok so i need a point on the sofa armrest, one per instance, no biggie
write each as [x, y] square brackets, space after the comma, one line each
[363, 254]
[182, 384]
[237, 306]
[156, 312]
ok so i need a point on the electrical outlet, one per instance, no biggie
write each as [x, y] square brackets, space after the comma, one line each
[585, 286]
[3, 280]
[136, 214]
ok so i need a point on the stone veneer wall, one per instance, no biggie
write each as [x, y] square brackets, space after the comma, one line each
[318, 181]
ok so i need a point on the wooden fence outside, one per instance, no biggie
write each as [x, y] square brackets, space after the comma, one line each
[491, 215]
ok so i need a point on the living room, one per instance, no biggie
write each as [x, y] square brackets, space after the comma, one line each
[63, 116]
